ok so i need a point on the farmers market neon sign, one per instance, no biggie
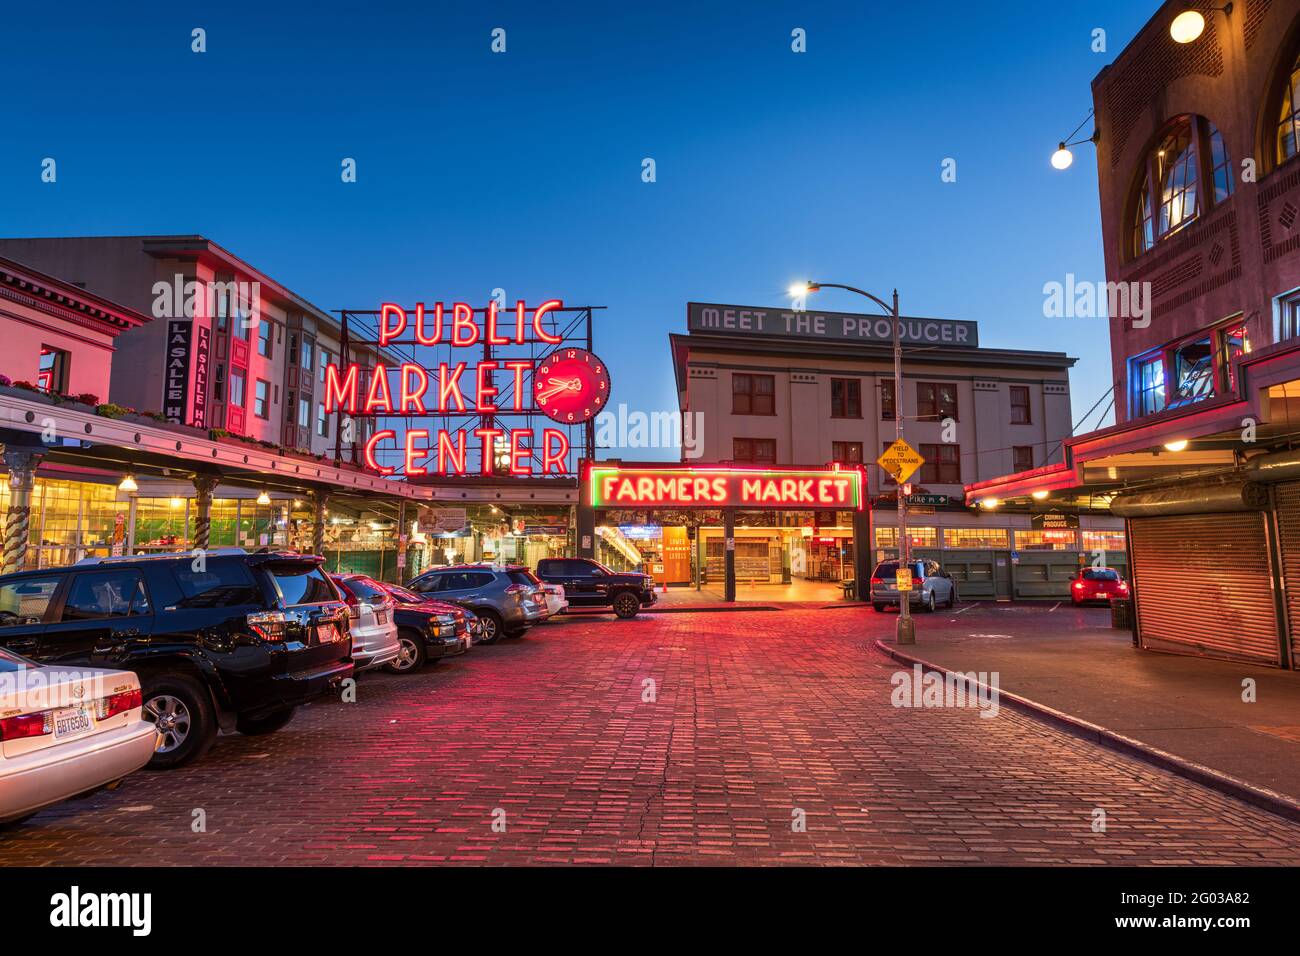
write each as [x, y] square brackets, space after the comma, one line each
[726, 487]
[569, 385]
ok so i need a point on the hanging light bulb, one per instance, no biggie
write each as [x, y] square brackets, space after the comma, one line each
[127, 484]
[263, 498]
[1187, 26]
[1062, 158]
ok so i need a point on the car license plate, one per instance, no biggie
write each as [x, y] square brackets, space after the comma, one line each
[72, 722]
[381, 617]
[326, 633]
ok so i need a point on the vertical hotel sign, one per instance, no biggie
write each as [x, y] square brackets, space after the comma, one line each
[176, 375]
[203, 337]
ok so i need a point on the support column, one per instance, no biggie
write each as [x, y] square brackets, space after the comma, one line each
[729, 552]
[401, 542]
[319, 499]
[22, 464]
[203, 486]
[586, 518]
[863, 553]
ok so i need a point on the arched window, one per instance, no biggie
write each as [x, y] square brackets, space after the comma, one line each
[1288, 126]
[1188, 171]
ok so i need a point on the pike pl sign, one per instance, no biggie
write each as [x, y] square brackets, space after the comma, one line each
[758, 322]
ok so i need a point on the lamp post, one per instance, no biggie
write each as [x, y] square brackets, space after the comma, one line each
[906, 630]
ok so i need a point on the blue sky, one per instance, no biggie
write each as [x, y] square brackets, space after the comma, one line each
[523, 170]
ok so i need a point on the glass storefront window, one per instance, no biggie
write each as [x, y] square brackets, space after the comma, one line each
[161, 525]
[1046, 540]
[975, 538]
[1103, 540]
[921, 537]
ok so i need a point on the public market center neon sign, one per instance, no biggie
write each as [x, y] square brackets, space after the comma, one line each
[471, 388]
[613, 487]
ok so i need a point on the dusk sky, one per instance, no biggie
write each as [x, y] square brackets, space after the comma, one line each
[523, 170]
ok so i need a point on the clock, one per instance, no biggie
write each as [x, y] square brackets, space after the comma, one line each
[570, 385]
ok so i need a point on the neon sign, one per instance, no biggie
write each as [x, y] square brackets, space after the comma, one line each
[613, 486]
[472, 388]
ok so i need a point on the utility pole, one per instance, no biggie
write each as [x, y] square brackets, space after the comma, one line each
[906, 626]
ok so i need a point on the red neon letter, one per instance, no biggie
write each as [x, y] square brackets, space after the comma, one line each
[450, 386]
[519, 322]
[368, 452]
[491, 323]
[520, 457]
[336, 392]
[379, 397]
[541, 311]
[420, 335]
[449, 452]
[386, 332]
[518, 366]
[488, 436]
[559, 458]
[413, 400]
[462, 317]
[412, 469]
[485, 388]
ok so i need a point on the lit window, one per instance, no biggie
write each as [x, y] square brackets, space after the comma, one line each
[1288, 129]
[1189, 170]
[1176, 173]
[976, 538]
[1234, 342]
[1288, 316]
[1149, 385]
[1055, 539]
[1192, 368]
[921, 537]
[1103, 541]
[52, 375]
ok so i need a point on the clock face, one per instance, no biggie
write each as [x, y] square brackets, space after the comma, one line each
[570, 385]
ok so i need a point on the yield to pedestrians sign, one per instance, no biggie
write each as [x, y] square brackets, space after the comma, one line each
[901, 460]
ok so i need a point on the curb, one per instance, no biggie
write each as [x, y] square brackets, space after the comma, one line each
[707, 609]
[1259, 797]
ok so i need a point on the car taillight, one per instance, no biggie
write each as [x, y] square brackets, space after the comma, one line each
[120, 703]
[877, 580]
[27, 725]
[1078, 585]
[268, 625]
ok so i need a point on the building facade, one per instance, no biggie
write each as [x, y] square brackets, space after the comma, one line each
[773, 387]
[1198, 157]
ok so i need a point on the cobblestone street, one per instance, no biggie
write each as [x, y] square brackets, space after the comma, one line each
[755, 722]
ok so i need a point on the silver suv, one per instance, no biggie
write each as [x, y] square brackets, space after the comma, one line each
[931, 586]
[508, 600]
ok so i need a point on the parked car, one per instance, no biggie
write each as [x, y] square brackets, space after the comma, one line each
[508, 600]
[589, 583]
[931, 586]
[427, 630]
[1097, 584]
[370, 616]
[556, 600]
[66, 731]
[226, 640]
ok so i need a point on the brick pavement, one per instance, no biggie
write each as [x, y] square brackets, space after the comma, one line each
[758, 715]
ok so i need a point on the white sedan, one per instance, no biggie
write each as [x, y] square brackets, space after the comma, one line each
[555, 599]
[65, 731]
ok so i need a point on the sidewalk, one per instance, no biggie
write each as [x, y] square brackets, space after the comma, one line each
[1190, 708]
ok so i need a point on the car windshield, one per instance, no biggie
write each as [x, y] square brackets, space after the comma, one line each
[1100, 574]
[365, 589]
[300, 583]
[888, 570]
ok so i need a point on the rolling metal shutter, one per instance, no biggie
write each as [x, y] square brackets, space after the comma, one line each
[1204, 587]
[1288, 528]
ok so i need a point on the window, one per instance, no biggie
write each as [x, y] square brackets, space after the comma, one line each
[322, 421]
[219, 382]
[1020, 405]
[307, 352]
[753, 394]
[1288, 316]
[1191, 366]
[936, 401]
[1149, 385]
[1103, 541]
[24, 601]
[221, 306]
[52, 375]
[1234, 342]
[942, 464]
[302, 584]
[324, 361]
[106, 594]
[1056, 540]
[756, 450]
[1022, 458]
[921, 537]
[237, 388]
[244, 325]
[846, 452]
[260, 405]
[304, 412]
[975, 538]
[887, 400]
[1191, 153]
[846, 398]
[222, 583]
[1288, 127]
[264, 338]
[290, 405]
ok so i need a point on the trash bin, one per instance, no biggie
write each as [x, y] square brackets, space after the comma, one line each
[1121, 614]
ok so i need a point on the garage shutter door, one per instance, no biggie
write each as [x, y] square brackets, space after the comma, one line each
[1288, 527]
[1203, 586]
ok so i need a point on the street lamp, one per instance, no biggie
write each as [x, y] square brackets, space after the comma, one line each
[1063, 158]
[1188, 26]
[906, 631]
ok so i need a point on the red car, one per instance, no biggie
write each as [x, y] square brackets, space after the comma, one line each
[1097, 584]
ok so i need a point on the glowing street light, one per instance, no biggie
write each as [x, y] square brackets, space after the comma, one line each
[1179, 445]
[1062, 158]
[127, 484]
[1187, 26]
[1040, 495]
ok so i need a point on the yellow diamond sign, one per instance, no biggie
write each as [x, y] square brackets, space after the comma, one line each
[901, 460]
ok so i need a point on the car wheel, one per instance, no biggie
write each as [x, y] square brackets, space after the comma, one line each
[411, 657]
[626, 605]
[257, 727]
[492, 626]
[929, 603]
[952, 598]
[182, 711]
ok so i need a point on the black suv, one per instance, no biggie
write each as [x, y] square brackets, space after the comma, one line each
[220, 640]
[589, 583]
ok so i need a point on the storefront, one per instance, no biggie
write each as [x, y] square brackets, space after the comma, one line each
[777, 533]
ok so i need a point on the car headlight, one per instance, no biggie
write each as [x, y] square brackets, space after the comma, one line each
[445, 619]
